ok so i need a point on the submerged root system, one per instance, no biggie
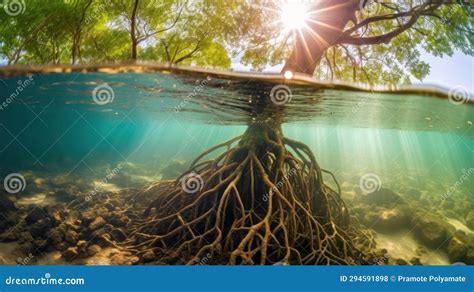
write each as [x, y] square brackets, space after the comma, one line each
[261, 200]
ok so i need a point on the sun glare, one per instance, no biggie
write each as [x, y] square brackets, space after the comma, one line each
[294, 14]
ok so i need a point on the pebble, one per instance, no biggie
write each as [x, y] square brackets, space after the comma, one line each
[70, 253]
[87, 217]
[148, 256]
[97, 223]
[93, 249]
[81, 243]
[35, 215]
[71, 236]
[55, 235]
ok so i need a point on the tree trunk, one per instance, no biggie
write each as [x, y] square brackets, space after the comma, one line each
[75, 48]
[133, 30]
[76, 43]
[134, 50]
[327, 20]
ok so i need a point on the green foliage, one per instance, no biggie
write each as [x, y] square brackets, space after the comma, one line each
[47, 34]
[448, 28]
[209, 33]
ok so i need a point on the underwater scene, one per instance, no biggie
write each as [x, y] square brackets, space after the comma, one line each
[166, 167]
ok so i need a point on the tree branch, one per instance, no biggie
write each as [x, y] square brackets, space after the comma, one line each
[190, 54]
[415, 13]
[147, 35]
[385, 38]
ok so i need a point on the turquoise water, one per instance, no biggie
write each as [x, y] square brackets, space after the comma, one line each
[155, 124]
[55, 125]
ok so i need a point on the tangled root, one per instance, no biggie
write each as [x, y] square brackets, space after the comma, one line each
[261, 200]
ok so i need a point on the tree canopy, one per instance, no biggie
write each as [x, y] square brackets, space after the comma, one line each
[371, 41]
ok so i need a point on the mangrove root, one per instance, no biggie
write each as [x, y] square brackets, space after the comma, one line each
[260, 200]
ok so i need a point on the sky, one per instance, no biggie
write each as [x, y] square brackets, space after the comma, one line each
[448, 72]
[457, 70]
